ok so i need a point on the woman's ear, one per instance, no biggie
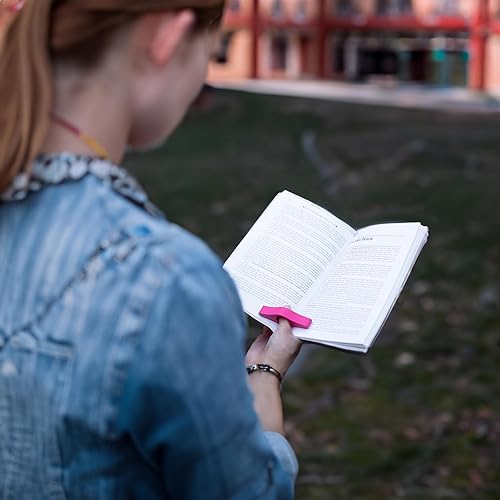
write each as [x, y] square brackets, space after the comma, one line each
[170, 30]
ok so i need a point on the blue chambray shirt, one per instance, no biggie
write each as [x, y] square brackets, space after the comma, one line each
[122, 358]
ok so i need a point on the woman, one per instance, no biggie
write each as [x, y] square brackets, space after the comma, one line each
[122, 373]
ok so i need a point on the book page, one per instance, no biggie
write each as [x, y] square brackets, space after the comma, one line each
[345, 306]
[285, 252]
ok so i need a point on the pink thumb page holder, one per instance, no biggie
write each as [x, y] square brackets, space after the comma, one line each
[295, 319]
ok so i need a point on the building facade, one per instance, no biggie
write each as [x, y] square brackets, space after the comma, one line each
[440, 42]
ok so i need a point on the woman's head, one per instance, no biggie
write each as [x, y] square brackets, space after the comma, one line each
[155, 50]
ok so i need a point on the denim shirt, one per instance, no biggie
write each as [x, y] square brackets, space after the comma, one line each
[122, 356]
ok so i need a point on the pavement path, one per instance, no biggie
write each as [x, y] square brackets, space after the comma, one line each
[453, 99]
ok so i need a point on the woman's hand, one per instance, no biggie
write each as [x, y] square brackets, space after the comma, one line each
[278, 349]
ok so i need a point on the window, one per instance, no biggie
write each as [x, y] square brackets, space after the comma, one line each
[234, 6]
[345, 8]
[279, 52]
[394, 7]
[277, 9]
[448, 7]
[221, 56]
[301, 11]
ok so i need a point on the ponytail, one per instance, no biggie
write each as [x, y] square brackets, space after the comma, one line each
[25, 89]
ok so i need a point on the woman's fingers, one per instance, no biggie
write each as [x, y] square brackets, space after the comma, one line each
[279, 349]
[266, 330]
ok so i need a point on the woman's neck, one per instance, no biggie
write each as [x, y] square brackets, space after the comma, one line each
[95, 106]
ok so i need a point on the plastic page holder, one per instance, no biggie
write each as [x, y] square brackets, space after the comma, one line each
[274, 313]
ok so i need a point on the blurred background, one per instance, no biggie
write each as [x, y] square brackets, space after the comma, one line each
[379, 111]
[441, 42]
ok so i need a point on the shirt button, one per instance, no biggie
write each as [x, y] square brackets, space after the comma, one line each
[8, 369]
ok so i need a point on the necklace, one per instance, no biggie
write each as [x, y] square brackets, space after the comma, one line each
[87, 139]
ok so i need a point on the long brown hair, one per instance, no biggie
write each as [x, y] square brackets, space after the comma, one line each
[45, 30]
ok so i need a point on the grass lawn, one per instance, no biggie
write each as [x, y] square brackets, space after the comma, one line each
[419, 416]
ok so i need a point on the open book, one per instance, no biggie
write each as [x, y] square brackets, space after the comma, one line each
[299, 255]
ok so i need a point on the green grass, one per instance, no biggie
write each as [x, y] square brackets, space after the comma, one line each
[369, 427]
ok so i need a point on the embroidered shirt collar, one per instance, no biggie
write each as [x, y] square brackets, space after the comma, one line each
[50, 170]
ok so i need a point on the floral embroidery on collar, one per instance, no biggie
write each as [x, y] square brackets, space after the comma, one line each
[52, 170]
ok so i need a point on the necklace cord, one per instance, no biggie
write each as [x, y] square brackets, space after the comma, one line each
[96, 148]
